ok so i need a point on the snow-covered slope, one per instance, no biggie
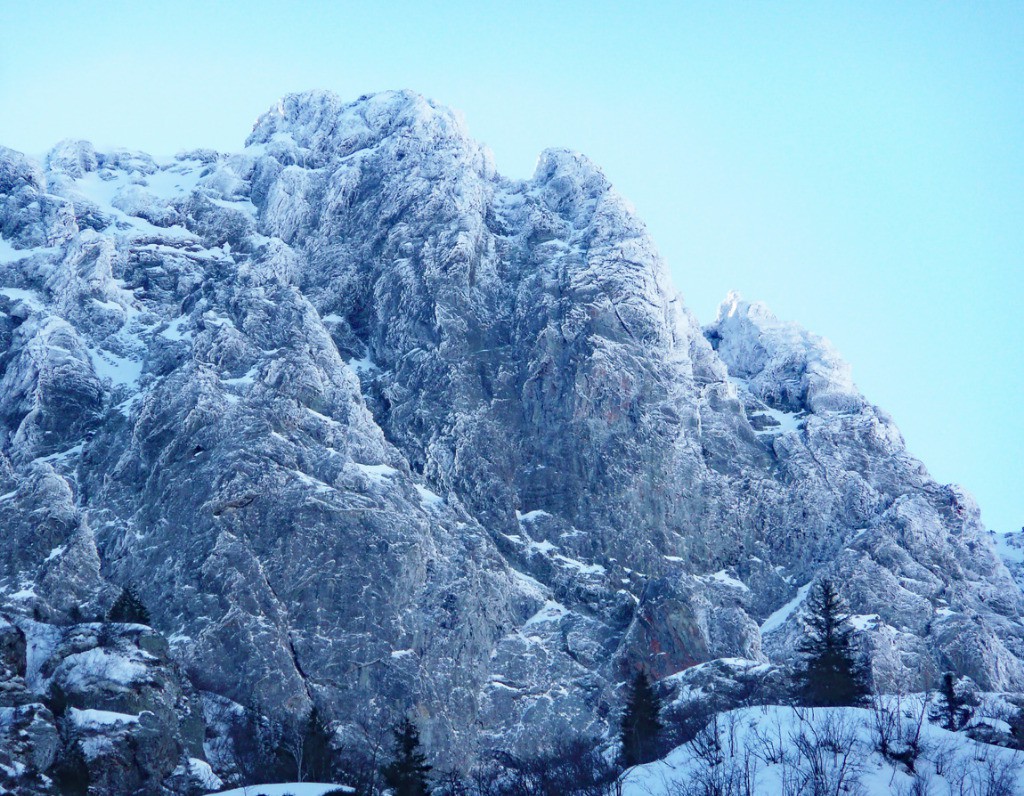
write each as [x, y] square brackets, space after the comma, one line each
[1010, 548]
[285, 789]
[767, 751]
[369, 426]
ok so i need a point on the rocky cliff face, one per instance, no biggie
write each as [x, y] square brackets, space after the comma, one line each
[368, 426]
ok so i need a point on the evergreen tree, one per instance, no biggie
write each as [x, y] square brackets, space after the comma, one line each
[832, 675]
[70, 772]
[407, 774]
[317, 750]
[641, 723]
[128, 608]
[1017, 727]
[953, 709]
[57, 700]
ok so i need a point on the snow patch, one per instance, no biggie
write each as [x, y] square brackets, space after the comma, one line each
[173, 331]
[119, 371]
[96, 719]
[725, 579]
[8, 254]
[203, 774]
[102, 664]
[551, 611]
[378, 473]
[778, 619]
[74, 450]
[787, 422]
[579, 566]
[30, 298]
[309, 480]
[428, 498]
[243, 205]
[532, 516]
[285, 789]
[864, 621]
[361, 366]
[1010, 546]
[249, 377]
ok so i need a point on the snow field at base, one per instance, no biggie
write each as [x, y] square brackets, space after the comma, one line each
[766, 741]
[285, 789]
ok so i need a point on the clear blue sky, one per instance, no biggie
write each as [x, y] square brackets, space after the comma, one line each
[858, 166]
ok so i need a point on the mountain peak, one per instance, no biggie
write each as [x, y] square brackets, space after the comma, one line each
[325, 125]
[783, 362]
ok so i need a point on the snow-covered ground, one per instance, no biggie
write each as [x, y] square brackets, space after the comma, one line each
[285, 789]
[783, 750]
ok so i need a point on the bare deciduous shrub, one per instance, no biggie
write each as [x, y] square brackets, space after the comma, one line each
[944, 754]
[770, 743]
[920, 785]
[733, 777]
[897, 725]
[725, 766]
[573, 767]
[819, 756]
[995, 773]
[829, 757]
[685, 719]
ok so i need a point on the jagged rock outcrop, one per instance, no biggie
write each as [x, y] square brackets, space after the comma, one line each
[369, 426]
[97, 704]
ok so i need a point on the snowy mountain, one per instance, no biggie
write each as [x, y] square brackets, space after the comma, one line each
[367, 425]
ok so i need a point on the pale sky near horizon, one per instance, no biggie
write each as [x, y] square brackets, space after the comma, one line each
[857, 166]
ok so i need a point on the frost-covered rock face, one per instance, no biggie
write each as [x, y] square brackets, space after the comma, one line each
[102, 697]
[368, 425]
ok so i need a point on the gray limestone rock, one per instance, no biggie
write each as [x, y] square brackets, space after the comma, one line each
[369, 426]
